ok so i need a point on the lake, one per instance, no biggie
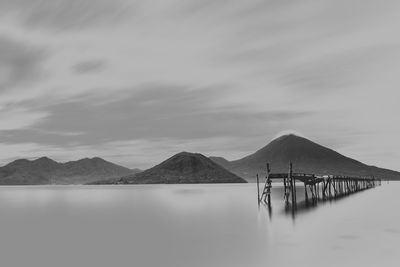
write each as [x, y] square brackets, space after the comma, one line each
[194, 225]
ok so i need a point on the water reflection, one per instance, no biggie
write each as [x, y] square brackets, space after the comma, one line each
[304, 204]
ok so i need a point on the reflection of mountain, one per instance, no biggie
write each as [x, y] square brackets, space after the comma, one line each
[307, 157]
[48, 171]
[182, 168]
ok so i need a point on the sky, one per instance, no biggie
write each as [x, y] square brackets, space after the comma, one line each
[135, 82]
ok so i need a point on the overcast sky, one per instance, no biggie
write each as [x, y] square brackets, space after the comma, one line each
[137, 81]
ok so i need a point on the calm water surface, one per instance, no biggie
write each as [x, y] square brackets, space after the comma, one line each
[193, 225]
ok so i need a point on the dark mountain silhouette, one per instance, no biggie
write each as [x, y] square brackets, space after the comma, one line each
[306, 156]
[182, 168]
[48, 171]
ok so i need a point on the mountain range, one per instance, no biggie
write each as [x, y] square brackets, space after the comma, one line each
[47, 171]
[182, 168]
[306, 156]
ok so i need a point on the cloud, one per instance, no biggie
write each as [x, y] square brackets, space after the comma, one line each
[20, 64]
[339, 70]
[18, 119]
[66, 14]
[154, 112]
[89, 66]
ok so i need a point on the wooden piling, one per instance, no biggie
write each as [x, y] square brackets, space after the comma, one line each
[258, 190]
[305, 192]
[269, 194]
[292, 184]
[269, 184]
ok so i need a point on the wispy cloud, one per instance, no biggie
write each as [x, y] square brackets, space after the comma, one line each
[89, 66]
[18, 119]
[65, 14]
[153, 112]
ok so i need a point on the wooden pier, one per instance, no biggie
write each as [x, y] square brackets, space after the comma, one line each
[315, 186]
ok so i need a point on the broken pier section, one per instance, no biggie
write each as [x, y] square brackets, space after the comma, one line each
[315, 186]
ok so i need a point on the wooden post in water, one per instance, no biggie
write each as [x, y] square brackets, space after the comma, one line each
[269, 185]
[334, 187]
[258, 190]
[305, 192]
[285, 190]
[292, 183]
[315, 191]
[294, 189]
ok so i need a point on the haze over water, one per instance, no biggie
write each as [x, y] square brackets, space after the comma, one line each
[193, 225]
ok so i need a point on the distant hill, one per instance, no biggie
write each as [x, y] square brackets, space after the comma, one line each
[306, 156]
[220, 161]
[182, 168]
[47, 171]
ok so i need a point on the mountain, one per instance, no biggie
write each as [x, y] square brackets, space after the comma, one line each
[306, 156]
[48, 171]
[182, 168]
[220, 161]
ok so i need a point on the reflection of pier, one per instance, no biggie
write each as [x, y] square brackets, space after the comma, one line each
[315, 187]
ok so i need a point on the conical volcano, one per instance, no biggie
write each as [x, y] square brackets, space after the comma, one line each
[306, 156]
[184, 168]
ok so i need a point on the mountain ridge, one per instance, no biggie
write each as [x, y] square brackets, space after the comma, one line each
[44, 170]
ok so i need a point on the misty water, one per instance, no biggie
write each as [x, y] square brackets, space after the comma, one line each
[194, 225]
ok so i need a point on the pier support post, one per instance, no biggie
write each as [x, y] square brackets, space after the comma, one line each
[258, 191]
[292, 184]
[269, 184]
[305, 192]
